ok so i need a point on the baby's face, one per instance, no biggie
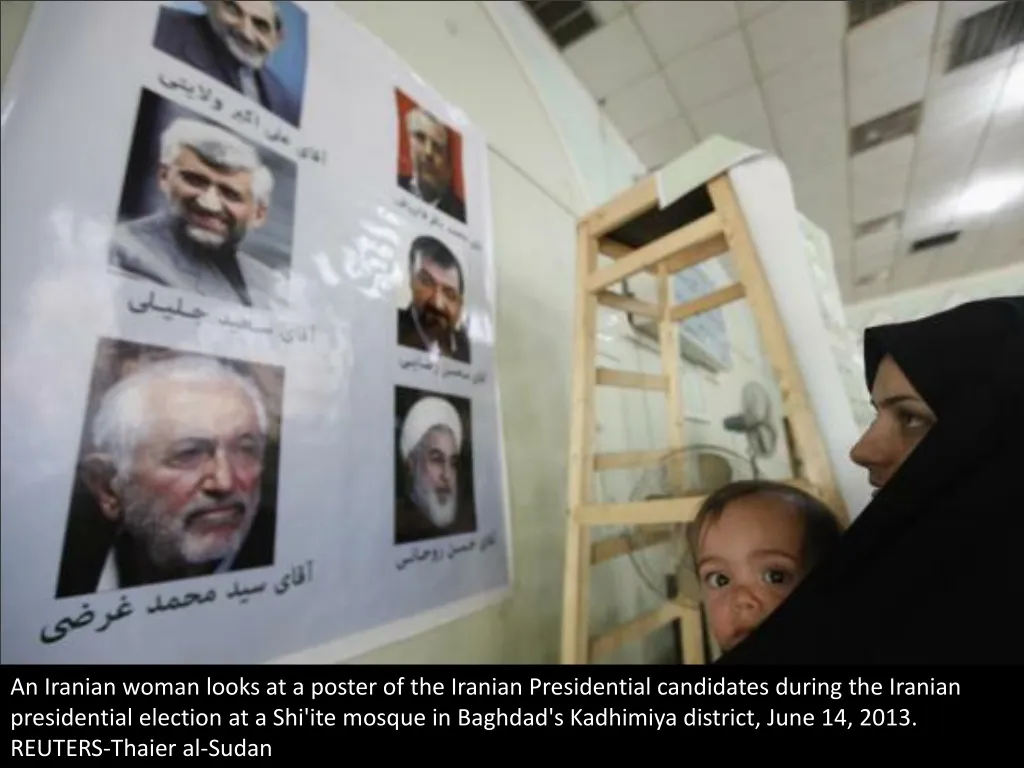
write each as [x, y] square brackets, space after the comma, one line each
[749, 561]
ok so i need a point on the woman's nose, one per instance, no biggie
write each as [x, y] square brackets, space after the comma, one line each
[869, 450]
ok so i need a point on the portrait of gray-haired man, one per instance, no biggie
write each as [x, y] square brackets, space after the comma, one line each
[216, 190]
[233, 41]
[430, 156]
[430, 445]
[176, 464]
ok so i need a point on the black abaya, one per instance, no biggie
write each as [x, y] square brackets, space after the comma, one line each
[932, 571]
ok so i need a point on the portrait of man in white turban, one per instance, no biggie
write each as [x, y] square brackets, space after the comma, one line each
[431, 500]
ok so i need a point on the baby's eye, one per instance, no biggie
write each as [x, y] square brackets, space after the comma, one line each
[776, 576]
[716, 580]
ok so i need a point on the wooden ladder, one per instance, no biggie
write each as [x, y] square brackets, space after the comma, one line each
[700, 226]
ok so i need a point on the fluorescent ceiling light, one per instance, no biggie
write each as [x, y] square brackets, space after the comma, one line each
[990, 195]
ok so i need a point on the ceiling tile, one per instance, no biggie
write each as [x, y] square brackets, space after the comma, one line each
[726, 57]
[892, 159]
[959, 258]
[903, 33]
[832, 217]
[784, 35]
[740, 117]
[607, 10]
[825, 180]
[751, 9]
[1012, 258]
[1004, 241]
[873, 290]
[941, 172]
[974, 225]
[674, 28]
[911, 271]
[664, 142]
[950, 265]
[874, 252]
[641, 106]
[881, 241]
[927, 220]
[971, 126]
[1003, 147]
[822, 196]
[812, 136]
[904, 84]
[814, 78]
[988, 193]
[955, 11]
[841, 258]
[931, 209]
[941, 80]
[871, 263]
[952, 141]
[878, 195]
[1010, 107]
[611, 57]
[842, 255]
[966, 105]
[1009, 221]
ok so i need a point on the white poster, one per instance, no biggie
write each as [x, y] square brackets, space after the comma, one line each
[249, 397]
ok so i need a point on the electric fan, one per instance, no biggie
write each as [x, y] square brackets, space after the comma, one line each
[754, 421]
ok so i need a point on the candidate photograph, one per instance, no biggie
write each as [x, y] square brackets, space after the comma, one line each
[432, 318]
[204, 210]
[434, 494]
[430, 159]
[177, 470]
[258, 48]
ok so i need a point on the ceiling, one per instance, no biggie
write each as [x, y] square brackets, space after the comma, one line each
[897, 124]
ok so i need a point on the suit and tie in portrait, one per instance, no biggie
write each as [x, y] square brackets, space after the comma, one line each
[204, 211]
[433, 319]
[177, 471]
[241, 43]
[430, 163]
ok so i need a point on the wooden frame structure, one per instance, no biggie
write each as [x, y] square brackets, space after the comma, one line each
[641, 237]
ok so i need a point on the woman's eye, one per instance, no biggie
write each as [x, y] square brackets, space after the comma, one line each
[913, 420]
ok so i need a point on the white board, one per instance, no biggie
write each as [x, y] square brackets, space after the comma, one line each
[261, 501]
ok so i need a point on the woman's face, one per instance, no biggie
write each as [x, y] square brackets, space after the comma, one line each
[903, 419]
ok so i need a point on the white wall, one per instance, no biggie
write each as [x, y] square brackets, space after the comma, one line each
[606, 164]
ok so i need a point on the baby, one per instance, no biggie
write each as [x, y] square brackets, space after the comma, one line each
[753, 542]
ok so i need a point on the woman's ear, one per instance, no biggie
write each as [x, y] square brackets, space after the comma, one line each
[98, 472]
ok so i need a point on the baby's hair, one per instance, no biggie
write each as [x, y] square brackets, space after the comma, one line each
[822, 528]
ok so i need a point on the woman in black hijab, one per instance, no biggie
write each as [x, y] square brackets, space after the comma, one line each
[932, 571]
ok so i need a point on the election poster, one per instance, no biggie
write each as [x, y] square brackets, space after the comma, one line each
[249, 394]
